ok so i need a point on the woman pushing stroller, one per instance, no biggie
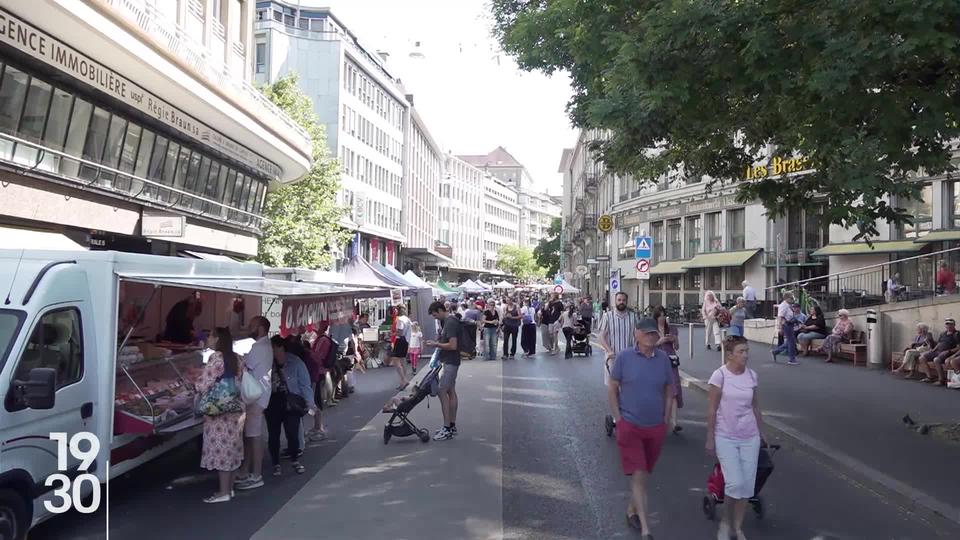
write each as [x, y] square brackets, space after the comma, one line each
[734, 432]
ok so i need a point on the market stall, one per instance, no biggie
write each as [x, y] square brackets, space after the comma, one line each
[156, 371]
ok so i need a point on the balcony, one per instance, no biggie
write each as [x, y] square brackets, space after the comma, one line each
[589, 223]
[591, 181]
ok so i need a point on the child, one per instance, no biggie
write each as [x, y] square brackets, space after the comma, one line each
[416, 338]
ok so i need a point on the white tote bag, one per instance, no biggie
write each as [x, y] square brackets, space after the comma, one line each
[250, 388]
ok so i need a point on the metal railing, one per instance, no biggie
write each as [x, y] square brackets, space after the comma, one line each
[915, 277]
[216, 70]
[124, 184]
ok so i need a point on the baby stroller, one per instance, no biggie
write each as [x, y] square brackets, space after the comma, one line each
[580, 344]
[714, 494]
[400, 424]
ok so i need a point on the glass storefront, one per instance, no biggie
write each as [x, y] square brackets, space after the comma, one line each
[922, 212]
[38, 111]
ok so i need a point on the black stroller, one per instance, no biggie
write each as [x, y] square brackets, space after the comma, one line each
[580, 344]
[715, 493]
[400, 424]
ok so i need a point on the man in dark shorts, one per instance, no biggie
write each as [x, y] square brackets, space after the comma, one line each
[639, 392]
[449, 356]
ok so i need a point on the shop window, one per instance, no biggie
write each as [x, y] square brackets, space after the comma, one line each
[921, 211]
[13, 90]
[229, 184]
[170, 170]
[735, 276]
[56, 343]
[691, 280]
[713, 278]
[656, 231]
[95, 142]
[56, 129]
[671, 300]
[128, 156]
[694, 234]
[816, 229]
[35, 110]
[76, 135]
[673, 236]
[736, 227]
[714, 234]
[112, 148]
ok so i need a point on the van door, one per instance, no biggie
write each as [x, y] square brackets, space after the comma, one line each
[62, 336]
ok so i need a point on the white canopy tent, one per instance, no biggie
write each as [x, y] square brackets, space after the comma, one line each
[488, 288]
[413, 278]
[504, 285]
[567, 287]
[469, 286]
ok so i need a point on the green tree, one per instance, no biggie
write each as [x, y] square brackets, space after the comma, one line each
[304, 218]
[868, 91]
[547, 252]
[519, 262]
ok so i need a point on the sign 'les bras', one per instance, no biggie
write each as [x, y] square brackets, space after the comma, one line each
[777, 167]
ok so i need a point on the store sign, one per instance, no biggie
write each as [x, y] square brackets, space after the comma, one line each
[647, 214]
[23, 36]
[162, 225]
[778, 166]
[396, 297]
[307, 313]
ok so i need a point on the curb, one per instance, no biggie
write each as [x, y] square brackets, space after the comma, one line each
[916, 497]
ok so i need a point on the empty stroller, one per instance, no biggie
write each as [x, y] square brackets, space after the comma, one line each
[715, 484]
[580, 344]
[399, 407]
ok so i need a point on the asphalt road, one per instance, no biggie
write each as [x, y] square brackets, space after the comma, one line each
[560, 476]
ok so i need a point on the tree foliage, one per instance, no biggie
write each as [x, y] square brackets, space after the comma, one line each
[547, 252]
[304, 218]
[518, 262]
[866, 90]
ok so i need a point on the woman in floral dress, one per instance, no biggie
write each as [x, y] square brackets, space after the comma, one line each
[222, 435]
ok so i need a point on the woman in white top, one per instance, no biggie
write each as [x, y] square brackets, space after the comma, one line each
[709, 312]
[734, 432]
[416, 341]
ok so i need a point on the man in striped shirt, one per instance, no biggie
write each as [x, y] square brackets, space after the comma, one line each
[616, 332]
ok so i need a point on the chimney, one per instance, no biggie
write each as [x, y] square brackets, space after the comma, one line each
[384, 55]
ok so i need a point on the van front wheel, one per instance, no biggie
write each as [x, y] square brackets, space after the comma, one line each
[13, 516]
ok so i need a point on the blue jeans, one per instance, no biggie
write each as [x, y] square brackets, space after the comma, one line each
[736, 330]
[789, 343]
[490, 334]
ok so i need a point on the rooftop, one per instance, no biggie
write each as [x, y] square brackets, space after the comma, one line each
[498, 157]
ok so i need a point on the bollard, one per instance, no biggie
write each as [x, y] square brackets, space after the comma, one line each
[690, 340]
[723, 345]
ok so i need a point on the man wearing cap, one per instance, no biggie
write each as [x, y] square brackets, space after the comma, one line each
[639, 392]
[947, 345]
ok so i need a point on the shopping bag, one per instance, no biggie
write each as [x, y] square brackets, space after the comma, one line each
[222, 398]
[250, 388]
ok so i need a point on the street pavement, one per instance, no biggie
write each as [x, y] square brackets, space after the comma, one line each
[532, 461]
[857, 414]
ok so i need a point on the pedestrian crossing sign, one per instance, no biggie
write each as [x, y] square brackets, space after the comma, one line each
[644, 247]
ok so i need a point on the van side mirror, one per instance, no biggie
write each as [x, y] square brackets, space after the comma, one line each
[39, 390]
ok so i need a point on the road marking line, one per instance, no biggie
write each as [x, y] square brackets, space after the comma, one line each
[910, 493]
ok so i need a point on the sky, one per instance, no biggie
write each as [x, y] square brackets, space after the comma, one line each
[472, 97]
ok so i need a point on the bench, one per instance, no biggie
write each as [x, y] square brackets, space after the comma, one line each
[855, 350]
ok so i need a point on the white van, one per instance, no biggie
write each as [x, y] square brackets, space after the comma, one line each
[82, 350]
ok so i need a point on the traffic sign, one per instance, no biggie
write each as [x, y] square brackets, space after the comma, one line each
[644, 247]
[558, 289]
[614, 285]
[605, 223]
[643, 268]
[582, 270]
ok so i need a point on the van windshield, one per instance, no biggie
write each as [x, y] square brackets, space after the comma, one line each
[10, 321]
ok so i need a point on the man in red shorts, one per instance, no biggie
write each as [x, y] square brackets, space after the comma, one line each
[639, 392]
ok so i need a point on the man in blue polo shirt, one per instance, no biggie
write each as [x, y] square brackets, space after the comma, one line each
[639, 392]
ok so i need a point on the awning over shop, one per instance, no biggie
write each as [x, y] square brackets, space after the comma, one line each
[939, 236]
[720, 259]
[861, 248]
[18, 238]
[428, 256]
[254, 286]
[669, 267]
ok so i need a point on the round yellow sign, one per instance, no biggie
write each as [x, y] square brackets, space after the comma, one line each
[605, 223]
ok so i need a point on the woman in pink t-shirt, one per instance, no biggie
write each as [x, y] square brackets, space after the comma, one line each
[734, 432]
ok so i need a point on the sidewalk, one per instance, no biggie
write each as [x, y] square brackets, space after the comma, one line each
[412, 489]
[854, 415]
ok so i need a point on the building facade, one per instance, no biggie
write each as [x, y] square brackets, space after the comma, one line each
[462, 221]
[501, 220]
[131, 125]
[363, 108]
[536, 208]
[705, 239]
